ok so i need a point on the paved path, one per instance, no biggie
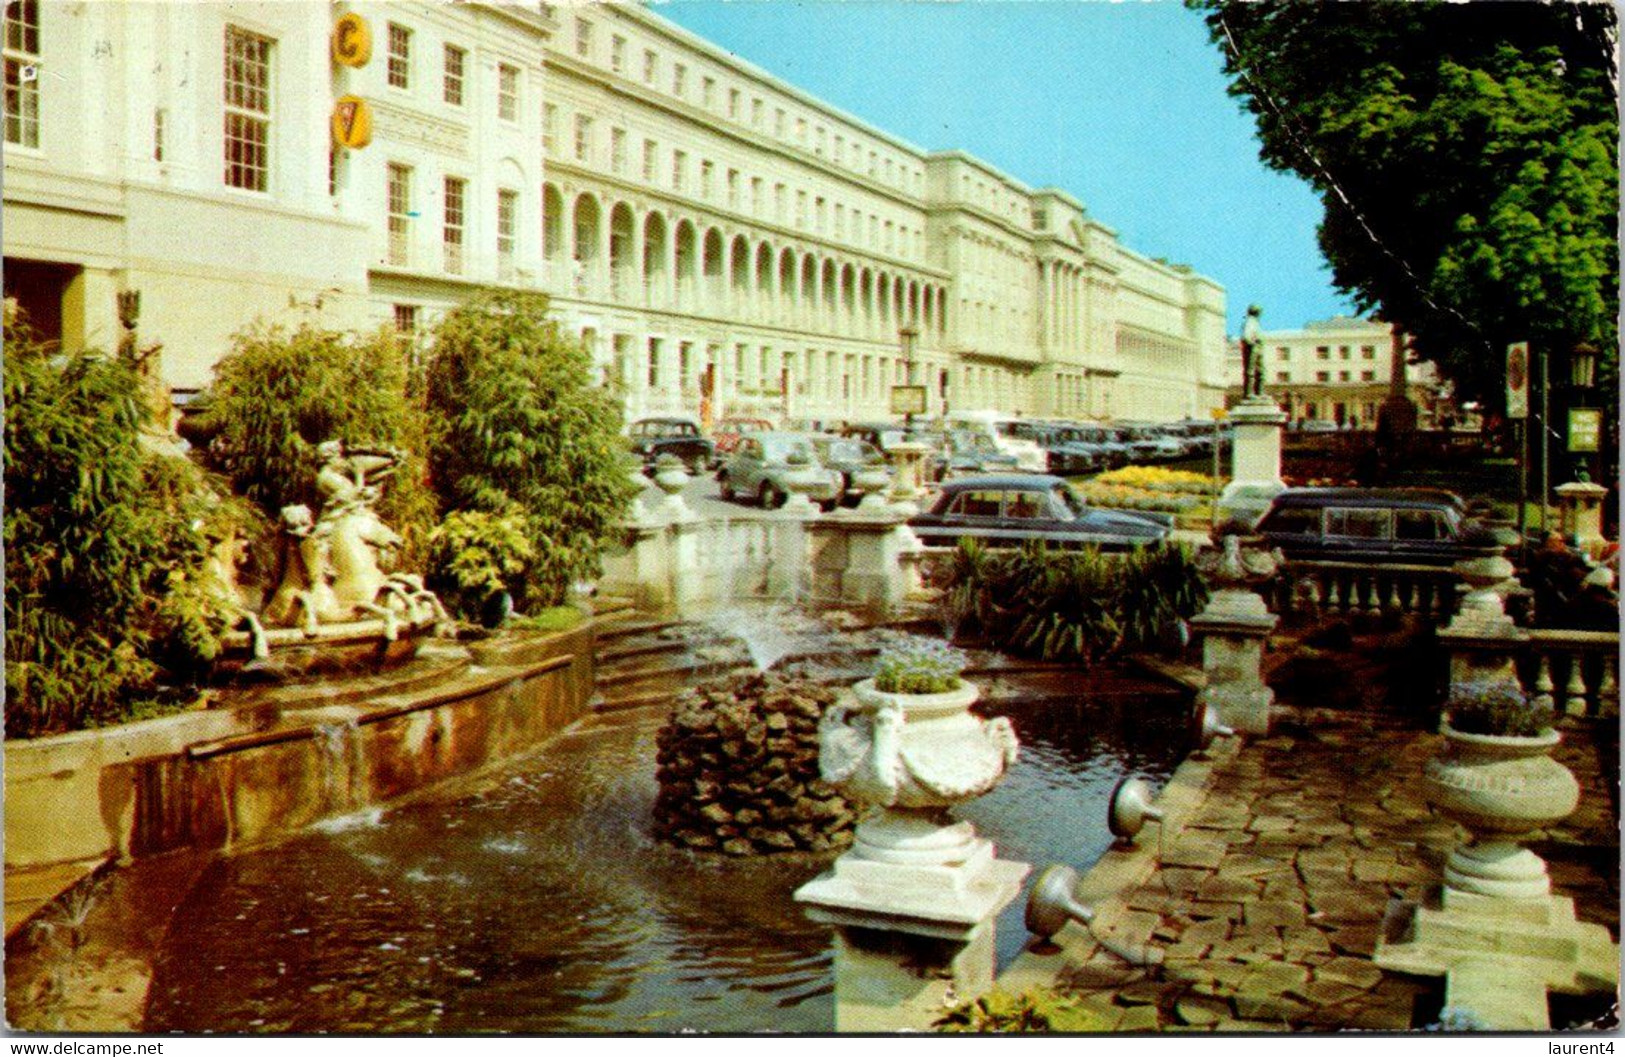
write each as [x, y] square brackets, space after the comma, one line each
[1281, 859]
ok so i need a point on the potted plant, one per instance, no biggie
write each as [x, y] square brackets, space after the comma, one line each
[1495, 776]
[907, 741]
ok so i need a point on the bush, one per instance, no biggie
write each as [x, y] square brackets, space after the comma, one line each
[279, 394]
[517, 426]
[105, 542]
[919, 667]
[1076, 606]
[474, 555]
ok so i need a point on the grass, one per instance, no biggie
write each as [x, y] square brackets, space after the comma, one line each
[553, 618]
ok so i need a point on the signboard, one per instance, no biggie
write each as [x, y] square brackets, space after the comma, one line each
[352, 41]
[1585, 429]
[908, 399]
[1518, 380]
[352, 122]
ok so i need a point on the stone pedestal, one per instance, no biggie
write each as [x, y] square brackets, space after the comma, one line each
[788, 570]
[1482, 640]
[908, 475]
[1234, 628]
[911, 939]
[1255, 458]
[857, 560]
[648, 569]
[1579, 513]
[1499, 957]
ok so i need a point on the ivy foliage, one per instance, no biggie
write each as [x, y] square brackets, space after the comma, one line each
[516, 426]
[1466, 156]
[105, 541]
[1078, 606]
[279, 393]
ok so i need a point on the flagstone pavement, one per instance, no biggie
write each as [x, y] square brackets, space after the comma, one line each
[1281, 859]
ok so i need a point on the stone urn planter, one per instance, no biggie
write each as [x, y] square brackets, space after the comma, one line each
[870, 482]
[1499, 786]
[914, 756]
[670, 475]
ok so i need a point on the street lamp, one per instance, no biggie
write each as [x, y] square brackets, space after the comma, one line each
[1582, 375]
[906, 336]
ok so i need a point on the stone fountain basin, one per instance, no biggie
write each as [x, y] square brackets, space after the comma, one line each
[352, 646]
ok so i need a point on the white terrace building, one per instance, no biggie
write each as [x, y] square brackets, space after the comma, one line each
[708, 229]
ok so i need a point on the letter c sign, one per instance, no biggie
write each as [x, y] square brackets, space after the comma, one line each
[352, 41]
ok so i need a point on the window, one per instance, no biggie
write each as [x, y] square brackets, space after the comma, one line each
[400, 56]
[451, 236]
[400, 213]
[707, 178]
[550, 129]
[778, 122]
[733, 104]
[1282, 376]
[406, 319]
[801, 131]
[583, 38]
[733, 188]
[22, 72]
[1283, 353]
[617, 54]
[679, 168]
[651, 65]
[650, 150]
[247, 109]
[976, 504]
[1342, 376]
[617, 149]
[756, 110]
[158, 116]
[1368, 376]
[1323, 376]
[507, 226]
[818, 141]
[756, 202]
[1368, 352]
[679, 79]
[801, 209]
[452, 83]
[1357, 522]
[779, 202]
[583, 145]
[708, 92]
[1342, 352]
[1323, 352]
[507, 92]
[1420, 525]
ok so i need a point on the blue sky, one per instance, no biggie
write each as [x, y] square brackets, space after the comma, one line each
[1121, 104]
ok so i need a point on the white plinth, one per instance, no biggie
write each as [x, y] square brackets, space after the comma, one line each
[1255, 458]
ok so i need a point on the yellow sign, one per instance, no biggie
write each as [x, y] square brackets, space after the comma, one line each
[352, 41]
[908, 399]
[1585, 429]
[352, 122]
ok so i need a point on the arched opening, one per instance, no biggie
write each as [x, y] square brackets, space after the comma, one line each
[848, 294]
[739, 269]
[787, 277]
[809, 285]
[552, 228]
[656, 280]
[830, 293]
[687, 262]
[622, 249]
[883, 296]
[764, 274]
[711, 263]
[587, 251]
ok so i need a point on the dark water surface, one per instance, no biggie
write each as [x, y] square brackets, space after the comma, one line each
[534, 899]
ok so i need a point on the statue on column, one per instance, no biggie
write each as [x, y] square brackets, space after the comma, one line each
[1252, 355]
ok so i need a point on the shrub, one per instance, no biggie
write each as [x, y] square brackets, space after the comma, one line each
[1498, 707]
[1071, 605]
[920, 666]
[474, 555]
[105, 541]
[515, 425]
[1036, 1009]
[278, 394]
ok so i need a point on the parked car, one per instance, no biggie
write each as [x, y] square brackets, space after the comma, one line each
[971, 452]
[887, 435]
[763, 465]
[846, 456]
[654, 437]
[1003, 432]
[1408, 526]
[1010, 509]
[728, 431]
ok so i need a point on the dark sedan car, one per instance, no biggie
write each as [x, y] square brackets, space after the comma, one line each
[653, 437]
[1408, 526]
[1011, 509]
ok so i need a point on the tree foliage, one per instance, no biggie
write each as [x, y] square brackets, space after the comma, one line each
[279, 393]
[1466, 158]
[516, 426]
[103, 538]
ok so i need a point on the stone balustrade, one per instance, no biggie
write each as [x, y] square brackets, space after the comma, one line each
[1576, 672]
[1365, 589]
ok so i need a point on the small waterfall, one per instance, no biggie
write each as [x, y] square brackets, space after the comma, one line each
[341, 763]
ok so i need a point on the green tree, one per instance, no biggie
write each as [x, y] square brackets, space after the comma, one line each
[104, 542]
[516, 426]
[278, 394]
[1466, 158]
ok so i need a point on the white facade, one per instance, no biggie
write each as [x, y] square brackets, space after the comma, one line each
[704, 226]
[1337, 369]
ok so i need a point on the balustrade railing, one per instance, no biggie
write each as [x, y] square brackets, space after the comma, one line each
[1576, 672]
[1356, 589]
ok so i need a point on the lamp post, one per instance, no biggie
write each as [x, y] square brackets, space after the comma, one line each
[1583, 428]
[906, 336]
